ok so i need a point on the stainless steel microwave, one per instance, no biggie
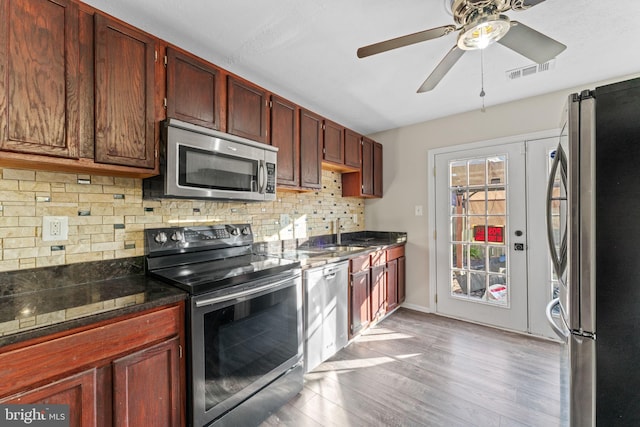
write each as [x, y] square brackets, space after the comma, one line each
[201, 163]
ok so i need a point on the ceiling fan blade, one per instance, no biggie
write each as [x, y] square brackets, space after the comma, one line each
[407, 40]
[442, 69]
[531, 43]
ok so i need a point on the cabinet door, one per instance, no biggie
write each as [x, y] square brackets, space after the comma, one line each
[333, 143]
[401, 279]
[378, 290]
[146, 386]
[352, 149]
[377, 169]
[39, 65]
[360, 313]
[247, 110]
[367, 167]
[284, 135]
[79, 391]
[194, 90]
[392, 285]
[310, 150]
[125, 87]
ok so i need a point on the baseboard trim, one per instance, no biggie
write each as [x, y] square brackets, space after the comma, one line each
[416, 307]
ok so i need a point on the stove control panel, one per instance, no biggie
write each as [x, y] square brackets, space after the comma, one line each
[181, 239]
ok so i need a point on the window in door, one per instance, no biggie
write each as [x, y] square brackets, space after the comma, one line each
[478, 218]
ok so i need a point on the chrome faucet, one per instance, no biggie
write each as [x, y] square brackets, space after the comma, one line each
[338, 233]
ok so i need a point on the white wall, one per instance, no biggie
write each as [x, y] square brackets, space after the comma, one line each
[405, 170]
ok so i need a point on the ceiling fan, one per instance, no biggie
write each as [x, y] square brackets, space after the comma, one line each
[481, 23]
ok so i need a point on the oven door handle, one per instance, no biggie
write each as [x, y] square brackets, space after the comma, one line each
[241, 294]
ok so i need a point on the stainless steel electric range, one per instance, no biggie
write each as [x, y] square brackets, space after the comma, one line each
[244, 321]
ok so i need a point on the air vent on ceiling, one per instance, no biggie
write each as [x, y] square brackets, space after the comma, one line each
[530, 70]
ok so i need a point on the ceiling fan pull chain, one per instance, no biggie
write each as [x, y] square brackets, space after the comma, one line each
[482, 93]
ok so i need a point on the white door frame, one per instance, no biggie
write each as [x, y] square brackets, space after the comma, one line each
[431, 191]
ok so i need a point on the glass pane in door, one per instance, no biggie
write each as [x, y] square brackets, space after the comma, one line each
[478, 218]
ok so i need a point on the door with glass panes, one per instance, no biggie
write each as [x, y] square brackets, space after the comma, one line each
[481, 239]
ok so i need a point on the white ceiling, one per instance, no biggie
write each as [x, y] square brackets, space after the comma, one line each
[306, 51]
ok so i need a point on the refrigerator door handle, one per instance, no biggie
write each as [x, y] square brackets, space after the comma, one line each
[562, 333]
[559, 260]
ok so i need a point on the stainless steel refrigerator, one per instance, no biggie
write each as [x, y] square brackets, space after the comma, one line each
[593, 220]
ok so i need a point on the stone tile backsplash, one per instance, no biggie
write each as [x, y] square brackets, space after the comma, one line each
[107, 216]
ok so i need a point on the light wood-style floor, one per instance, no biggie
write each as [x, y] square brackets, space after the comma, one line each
[417, 369]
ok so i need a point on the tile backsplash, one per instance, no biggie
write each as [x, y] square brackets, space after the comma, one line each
[107, 216]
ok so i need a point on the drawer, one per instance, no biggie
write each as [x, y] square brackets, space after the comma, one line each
[360, 263]
[395, 252]
[379, 258]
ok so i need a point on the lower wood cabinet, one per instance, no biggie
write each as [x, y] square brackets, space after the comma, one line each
[376, 287]
[359, 294]
[125, 372]
[152, 373]
[378, 284]
[79, 391]
[395, 277]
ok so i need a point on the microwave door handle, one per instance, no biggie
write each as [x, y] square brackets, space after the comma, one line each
[262, 177]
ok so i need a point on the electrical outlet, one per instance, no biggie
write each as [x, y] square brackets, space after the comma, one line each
[55, 228]
[355, 218]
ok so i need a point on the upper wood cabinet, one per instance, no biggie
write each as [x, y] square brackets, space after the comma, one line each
[367, 167]
[352, 151]
[39, 66]
[247, 106]
[341, 148]
[195, 90]
[368, 181]
[377, 169]
[285, 135]
[125, 61]
[310, 150]
[333, 143]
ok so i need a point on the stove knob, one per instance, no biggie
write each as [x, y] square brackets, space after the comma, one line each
[234, 231]
[161, 237]
[177, 236]
[246, 231]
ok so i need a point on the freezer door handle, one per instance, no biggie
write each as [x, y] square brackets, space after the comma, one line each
[562, 333]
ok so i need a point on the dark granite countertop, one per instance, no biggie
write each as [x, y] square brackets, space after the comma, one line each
[319, 250]
[43, 301]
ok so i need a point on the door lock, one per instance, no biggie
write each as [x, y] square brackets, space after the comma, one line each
[518, 246]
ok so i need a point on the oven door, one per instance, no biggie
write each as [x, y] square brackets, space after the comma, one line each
[241, 340]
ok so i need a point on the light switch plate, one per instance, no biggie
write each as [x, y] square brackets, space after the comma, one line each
[418, 210]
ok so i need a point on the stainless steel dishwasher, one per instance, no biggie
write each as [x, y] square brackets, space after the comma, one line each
[325, 312]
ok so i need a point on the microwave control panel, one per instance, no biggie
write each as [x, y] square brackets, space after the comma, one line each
[271, 178]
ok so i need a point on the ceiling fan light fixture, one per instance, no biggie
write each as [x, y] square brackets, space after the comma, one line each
[484, 31]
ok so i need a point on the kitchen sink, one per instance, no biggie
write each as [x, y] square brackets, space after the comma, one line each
[329, 248]
[335, 248]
